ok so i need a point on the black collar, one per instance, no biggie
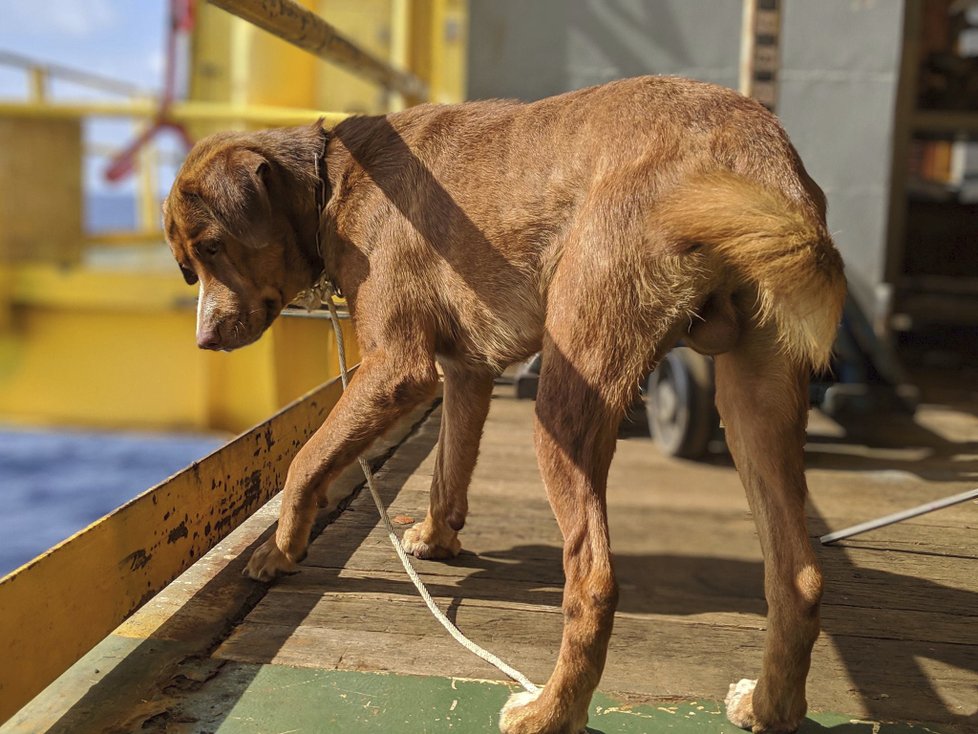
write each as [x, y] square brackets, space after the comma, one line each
[323, 191]
[323, 287]
[322, 195]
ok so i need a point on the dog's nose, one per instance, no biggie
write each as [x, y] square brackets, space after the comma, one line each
[209, 338]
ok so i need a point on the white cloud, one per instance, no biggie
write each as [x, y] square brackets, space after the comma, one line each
[156, 62]
[70, 17]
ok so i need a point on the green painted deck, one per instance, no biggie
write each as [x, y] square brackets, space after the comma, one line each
[276, 698]
[346, 646]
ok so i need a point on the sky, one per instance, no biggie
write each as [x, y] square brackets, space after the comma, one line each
[123, 39]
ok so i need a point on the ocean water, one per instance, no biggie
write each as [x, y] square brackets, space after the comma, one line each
[55, 482]
[109, 212]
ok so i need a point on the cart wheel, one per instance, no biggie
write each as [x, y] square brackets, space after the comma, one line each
[527, 378]
[679, 400]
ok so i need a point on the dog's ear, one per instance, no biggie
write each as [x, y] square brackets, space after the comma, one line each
[235, 188]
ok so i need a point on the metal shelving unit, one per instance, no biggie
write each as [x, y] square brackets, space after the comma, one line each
[924, 298]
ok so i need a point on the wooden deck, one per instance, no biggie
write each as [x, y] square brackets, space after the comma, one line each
[900, 616]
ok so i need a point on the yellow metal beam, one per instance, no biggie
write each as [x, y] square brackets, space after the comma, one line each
[128, 335]
[291, 22]
[123, 238]
[58, 606]
[47, 286]
[367, 23]
[148, 213]
[437, 50]
[400, 28]
[6, 317]
[38, 84]
[40, 190]
[178, 111]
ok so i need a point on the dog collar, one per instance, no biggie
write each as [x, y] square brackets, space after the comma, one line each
[312, 298]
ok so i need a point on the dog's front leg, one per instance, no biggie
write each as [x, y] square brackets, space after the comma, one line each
[387, 385]
[464, 411]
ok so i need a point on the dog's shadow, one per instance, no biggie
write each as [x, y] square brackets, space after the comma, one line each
[885, 669]
[893, 441]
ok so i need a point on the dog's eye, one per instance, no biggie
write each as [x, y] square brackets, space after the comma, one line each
[188, 275]
[208, 248]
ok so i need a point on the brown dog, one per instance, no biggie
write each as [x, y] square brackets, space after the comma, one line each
[599, 226]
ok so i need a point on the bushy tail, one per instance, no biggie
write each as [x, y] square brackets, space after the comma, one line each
[770, 242]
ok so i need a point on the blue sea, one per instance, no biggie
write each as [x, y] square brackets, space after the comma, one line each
[54, 483]
[109, 212]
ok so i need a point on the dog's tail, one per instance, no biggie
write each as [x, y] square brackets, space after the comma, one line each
[770, 242]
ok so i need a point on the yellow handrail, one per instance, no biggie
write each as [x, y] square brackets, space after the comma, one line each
[63, 602]
[178, 111]
[40, 70]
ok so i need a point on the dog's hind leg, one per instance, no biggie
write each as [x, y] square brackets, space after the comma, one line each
[763, 400]
[603, 323]
[388, 383]
[464, 410]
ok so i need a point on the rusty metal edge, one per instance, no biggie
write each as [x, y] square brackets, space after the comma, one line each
[58, 606]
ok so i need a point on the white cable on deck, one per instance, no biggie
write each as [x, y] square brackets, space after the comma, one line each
[882, 522]
[401, 553]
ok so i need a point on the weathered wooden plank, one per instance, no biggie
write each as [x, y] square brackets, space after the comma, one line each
[653, 583]
[681, 603]
[663, 550]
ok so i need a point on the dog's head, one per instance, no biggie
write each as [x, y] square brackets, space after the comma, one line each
[235, 220]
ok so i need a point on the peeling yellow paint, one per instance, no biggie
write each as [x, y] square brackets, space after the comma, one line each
[58, 606]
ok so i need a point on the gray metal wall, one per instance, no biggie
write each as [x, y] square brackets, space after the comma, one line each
[838, 81]
[534, 48]
[839, 69]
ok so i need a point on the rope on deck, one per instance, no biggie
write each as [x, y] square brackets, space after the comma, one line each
[454, 631]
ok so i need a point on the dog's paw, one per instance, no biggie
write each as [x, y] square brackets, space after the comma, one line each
[525, 713]
[740, 711]
[268, 561]
[422, 541]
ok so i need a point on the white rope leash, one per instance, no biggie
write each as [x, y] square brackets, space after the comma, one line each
[395, 541]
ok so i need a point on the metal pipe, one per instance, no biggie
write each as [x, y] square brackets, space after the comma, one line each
[178, 112]
[303, 28]
[75, 76]
[899, 516]
[301, 313]
[38, 83]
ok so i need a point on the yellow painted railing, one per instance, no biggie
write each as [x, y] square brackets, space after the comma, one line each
[178, 112]
[59, 605]
[40, 72]
[128, 335]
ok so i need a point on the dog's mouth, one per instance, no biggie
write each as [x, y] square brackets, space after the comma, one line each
[273, 308]
[270, 310]
[243, 332]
